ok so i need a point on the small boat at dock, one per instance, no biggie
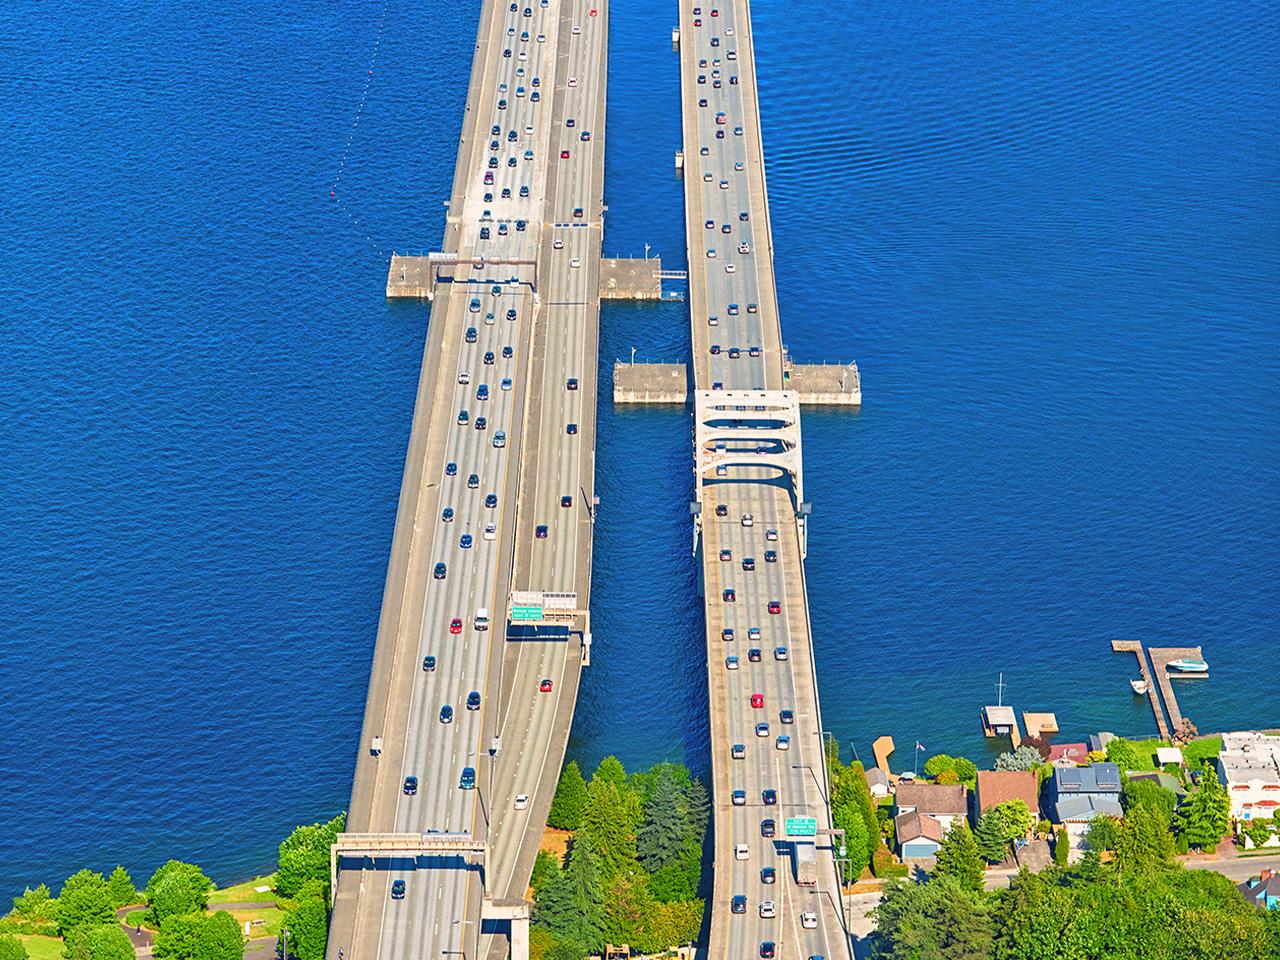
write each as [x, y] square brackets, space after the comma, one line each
[1140, 686]
[1188, 665]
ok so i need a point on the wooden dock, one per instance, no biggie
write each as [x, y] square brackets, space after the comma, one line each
[1135, 647]
[1160, 657]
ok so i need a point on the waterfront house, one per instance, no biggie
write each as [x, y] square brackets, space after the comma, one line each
[1249, 768]
[918, 836]
[940, 804]
[877, 783]
[1100, 782]
[1001, 786]
[1077, 813]
[1262, 891]
[1068, 754]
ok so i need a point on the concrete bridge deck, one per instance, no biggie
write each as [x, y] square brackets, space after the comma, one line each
[522, 340]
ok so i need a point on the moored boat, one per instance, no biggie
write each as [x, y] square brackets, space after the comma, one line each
[1139, 686]
[1189, 665]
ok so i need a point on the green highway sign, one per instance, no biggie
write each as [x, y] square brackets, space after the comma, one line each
[525, 614]
[801, 826]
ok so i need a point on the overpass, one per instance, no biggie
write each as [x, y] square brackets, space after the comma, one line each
[497, 498]
[749, 518]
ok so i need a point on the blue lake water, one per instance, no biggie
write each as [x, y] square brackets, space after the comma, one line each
[1051, 238]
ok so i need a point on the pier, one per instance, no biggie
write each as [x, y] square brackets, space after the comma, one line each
[1177, 726]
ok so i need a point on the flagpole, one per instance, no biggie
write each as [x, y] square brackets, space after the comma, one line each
[915, 761]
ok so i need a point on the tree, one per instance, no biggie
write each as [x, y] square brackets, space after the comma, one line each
[123, 892]
[1148, 793]
[85, 900]
[1143, 841]
[966, 771]
[1015, 818]
[1036, 920]
[938, 763]
[939, 920]
[545, 866]
[1206, 817]
[664, 833]
[308, 924]
[571, 905]
[178, 937]
[570, 801]
[1023, 758]
[958, 858]
[672, 924]
[611, 770]
[103, 942]
[1102, 834]
[221, 939]
[627, 908]
[1061, 847]
[611, 820]
[11, 948]
[857, 844]
[990, 837]
[35, 905]
[565, 950]
[304, 855]
[177, 888]
[1125, 754]
[671, 884]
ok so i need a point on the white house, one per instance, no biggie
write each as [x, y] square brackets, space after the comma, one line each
[1249, 767]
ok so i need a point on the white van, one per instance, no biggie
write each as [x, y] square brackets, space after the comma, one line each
[482, 618]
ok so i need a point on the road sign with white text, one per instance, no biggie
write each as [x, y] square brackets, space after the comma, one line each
[801, 826]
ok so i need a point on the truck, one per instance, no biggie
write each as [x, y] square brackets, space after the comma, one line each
[482, 618]
[804, 857]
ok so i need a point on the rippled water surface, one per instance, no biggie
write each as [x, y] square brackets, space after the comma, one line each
[1049, 237]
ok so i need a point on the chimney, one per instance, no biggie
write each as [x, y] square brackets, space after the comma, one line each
[1267, 874]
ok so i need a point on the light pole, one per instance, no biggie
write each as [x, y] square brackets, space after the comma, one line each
[284, 950]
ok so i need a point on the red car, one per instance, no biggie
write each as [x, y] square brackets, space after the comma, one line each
[545, 685]
[564, 154]
[757, 701]
[775, 606]
[455, 625]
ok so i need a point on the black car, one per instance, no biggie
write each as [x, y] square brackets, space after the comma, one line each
[429, 664]
[738, 904]
[571, 383]
[722, 510]
[473, 481]
[440, 571]
[540, 531]
[769, 797]
[447, 514]
[491, 500]
[566, 501]
[507, 353]
[771, 556]
[754, 654]
[482, 423]
[768, 950]
[410, 786]
[511, 314]
[397, 890]
[471, 335]
[726, 634]
[488, 358]
[748, 563]
[787, 716]
[571, 429]
[473, 701]
[484, 233]
[450, 469]
[768, 875]
[768, 828]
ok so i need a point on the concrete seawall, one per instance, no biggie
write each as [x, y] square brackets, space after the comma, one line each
[818, 384]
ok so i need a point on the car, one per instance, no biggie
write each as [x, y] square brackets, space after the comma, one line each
[726, 634]
[744, 216]
[707, 177]
[502, 232]
[482, 392]
[571, 429]
[488, 358]
[522, 801]
[545, 685]
[757, 701]
[753, 351]
[570, 122]
[768, 828]
[702, 101]
[465, 541]
[473, 700]
[410, 786]
[468, 779]
[499, 440]
[506, 383]
[540, 531]
[473, 482]
[575, 263]
[511, 314]
[524, 190]
[738, 798]
[566, 501]
[726, 554]
[741, 851]
[471, 335]
[397, 889]
[809, 920]
[775, 607]
[748, 520]
[446, 714]
[484, 233]
[783, 742]
[754, 655]
[738, 751]
[753, 633]
[440, 572]
[474, 305]
[585, 136]
[491, 531]
[511, 161]
[768, 950]
[564, 154]
[738, 904]
[488, 179]
[771, 535]
[464, 377]
[455, 625]
[737, 131]
[713, 321]
[482, 423]
[771, 556]
[507, 353]
[748, 563]
[730, 268]
[714, 350]
[768, 910]
[711, 253]
[762, 729]
[731, 663]
[786, 716]
[768, 875]
[507, 53]
[744, 246]
[732, 310]
[429, 664]
[571, 383]
[729, 595]
[722, 510]
[528, 154]
[780, 653]
[450, 469]
[577, 213]
[447, 514]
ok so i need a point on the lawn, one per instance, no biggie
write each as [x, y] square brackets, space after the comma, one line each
[1193, 754]
[245, 892]
[270, 918]
[41, 948]
[138, 918]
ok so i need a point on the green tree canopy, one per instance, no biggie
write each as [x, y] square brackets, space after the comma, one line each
[940, 920]
[613, 815]
[1206, 816]
[304, 855]
[308, 924]
[221, 939]
[85, 900]
[177, 888]
[627, 908]
[1103, 833]
[1126, 755]
[990, 836]
[570, 801]
[1061, 847]
[545, 866]
[1148, 793]
[665, 830]
[1143, 841]
[1022, 758]
[571, 905]
[123, 892]
[958, 858]
[11, 948]
[178, 937]
[1015, 818]
[611, 770]
[103, 942]
[35, 904]
[1037, 920]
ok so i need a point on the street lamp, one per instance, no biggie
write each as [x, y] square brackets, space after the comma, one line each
[284, 950]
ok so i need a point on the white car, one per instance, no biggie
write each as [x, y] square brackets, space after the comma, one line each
[731, 663]
[573, 81]
[464, 377]
[711, 253]
[771, 535]
[491, 533]
[809, 920]
[576, 30]
[558, 243]
[575, 263]
[730, 268]
[741, 851]
[768, 910]
[522, 801]
[748, 520]
[542, 38]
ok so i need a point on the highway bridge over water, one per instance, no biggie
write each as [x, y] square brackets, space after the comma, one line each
[485, 623]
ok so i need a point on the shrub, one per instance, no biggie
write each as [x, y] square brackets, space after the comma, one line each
[883, 865]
